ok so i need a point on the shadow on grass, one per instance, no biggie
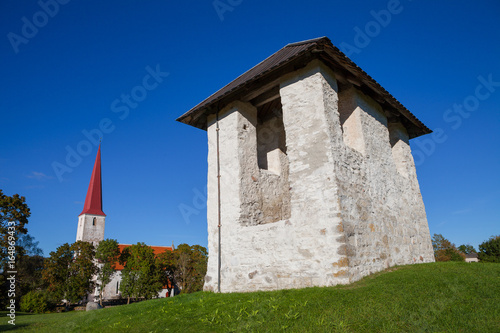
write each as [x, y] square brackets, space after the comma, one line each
[5, 313]
[19, 314]
[9, 327]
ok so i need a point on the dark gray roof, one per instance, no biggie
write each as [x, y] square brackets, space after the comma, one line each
[290, 58]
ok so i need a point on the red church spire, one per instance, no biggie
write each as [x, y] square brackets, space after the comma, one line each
[93, 201]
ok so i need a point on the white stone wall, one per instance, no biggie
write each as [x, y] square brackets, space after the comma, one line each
[110, 289]
[355, 205]
[382, 209]
[90, 230]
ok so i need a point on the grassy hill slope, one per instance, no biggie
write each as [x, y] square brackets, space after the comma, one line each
[443, 297]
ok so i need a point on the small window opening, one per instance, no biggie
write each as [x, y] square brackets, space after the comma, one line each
[93, 221]
[117, 286]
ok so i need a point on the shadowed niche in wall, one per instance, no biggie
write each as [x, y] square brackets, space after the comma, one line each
[274, 188]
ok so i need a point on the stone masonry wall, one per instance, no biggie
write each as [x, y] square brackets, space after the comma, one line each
[88, 231]
[272, 183]
[292, 253]
[351, 211]
[382, 210]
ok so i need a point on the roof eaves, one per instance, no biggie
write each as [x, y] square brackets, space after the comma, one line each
[372, 84]
[198, 112]
[200, 108]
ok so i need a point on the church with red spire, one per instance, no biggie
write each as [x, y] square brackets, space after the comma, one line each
[92, 219]
[91, 222]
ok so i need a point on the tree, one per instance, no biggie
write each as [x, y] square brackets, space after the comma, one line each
[18, 250]
[142, 276]
[467, 249]
[29, 246]
[107, 255]
[82, 270]
[57, 271]
[167, 261]
[186, 266]
[444, 250]
[199, 258]
[14, 214]
[29, 273]
[128, 283]
[28, 265]
[489, 251]
[69, 271]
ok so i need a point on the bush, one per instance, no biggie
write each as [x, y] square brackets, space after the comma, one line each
[454, 255]
[489, 251]
[36, 301]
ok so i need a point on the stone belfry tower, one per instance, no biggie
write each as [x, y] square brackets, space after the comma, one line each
[92, 218]
[311, 180]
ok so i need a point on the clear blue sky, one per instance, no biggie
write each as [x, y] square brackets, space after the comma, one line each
[65, 73]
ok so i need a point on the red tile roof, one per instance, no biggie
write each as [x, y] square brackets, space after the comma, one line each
[93, 200]
[156, 249]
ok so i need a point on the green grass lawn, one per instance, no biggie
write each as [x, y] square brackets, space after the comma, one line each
[437, 297]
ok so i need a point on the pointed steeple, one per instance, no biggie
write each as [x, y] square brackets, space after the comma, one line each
[93, 201]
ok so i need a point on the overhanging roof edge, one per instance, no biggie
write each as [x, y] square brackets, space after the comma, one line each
[286, 55]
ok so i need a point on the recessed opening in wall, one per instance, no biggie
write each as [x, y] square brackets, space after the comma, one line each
[271, 139]
[272, 185]
[400, 146]
[93, 221]
[350, 119]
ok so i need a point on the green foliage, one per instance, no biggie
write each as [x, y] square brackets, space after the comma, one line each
[28, 277]
[467, 249]
[186, 266]
[107, 255]
[82, 269]
[489, 251]
[36, 301]
[57, 270]
[452, 254]
[29, 246]
[141, 275]
[14, 214]
[18, 250]
[434, 297]
[68, 271]
[444, 250]
[29, 273]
